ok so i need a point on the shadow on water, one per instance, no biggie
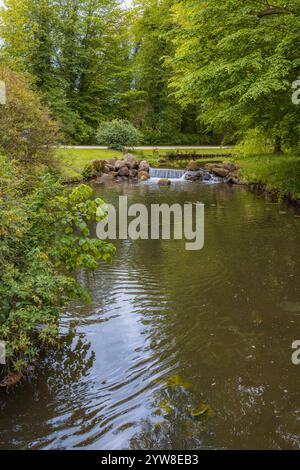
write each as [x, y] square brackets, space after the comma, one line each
[51, 396]
[171, 331]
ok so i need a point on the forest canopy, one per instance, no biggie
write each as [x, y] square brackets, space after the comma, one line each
[181, 71]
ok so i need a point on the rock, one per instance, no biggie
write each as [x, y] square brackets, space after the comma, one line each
[11, 380]
[192, 175]
[106, 177]
[164, 182]
[143, 175]
[232, 179]
[206, 176]
[119, 164]
[133, 173]
[229, 166]
[108, 168]
[130, 161]
[98, 165]
[193, 166]
[210, 166]
[124, 171]
[144, 166]
[112, 162]
[219, 171]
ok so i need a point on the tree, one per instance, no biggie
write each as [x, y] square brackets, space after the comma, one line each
[238, 63]
[156, 111]
[77, 51]
[27, 132]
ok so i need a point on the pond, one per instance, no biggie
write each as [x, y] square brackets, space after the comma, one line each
[178, 349]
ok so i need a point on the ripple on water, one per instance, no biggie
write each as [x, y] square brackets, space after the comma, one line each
[219, 318]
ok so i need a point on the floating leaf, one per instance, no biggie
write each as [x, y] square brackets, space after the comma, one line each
[202, 410]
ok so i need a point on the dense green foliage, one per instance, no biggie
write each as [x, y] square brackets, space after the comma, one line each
[161, 118]
[182, 71]
[27, 132]
[45, 236]
[118, 134]
[238, 61]
[76, 51]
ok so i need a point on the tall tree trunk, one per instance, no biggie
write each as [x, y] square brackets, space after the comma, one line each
[277, 145]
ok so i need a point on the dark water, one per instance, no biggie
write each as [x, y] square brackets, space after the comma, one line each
[170, 329]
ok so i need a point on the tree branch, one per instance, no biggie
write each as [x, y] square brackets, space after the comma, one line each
[274, 11]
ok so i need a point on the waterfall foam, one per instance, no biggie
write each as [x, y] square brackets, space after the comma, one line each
[167, 173]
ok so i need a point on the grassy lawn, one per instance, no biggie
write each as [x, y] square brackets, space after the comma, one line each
[73, 161]
[277, 173]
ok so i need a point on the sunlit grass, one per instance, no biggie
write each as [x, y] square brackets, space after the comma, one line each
[73, 161]
[276, 173]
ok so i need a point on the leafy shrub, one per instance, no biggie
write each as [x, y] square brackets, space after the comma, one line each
[27, 132]
[118, 134]
[44, 235]
[254, 143]
[88, 171]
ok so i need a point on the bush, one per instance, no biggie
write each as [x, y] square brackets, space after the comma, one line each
[88, 171]
[254, 143]
[44, 238]
[118, 134]
[27, 132]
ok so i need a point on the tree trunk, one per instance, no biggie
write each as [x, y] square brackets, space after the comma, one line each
[277, 145]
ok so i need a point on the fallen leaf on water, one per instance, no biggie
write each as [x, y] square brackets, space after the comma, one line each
[202, 410]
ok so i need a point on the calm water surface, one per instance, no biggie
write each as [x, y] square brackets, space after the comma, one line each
[169, 330]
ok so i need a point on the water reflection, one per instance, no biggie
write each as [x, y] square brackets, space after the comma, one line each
[222, 319]
[54, 400]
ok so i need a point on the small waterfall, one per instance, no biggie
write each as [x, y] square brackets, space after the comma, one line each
[166, 173]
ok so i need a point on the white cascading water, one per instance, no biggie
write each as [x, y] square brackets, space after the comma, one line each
[166, 173]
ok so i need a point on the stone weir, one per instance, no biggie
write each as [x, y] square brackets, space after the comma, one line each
[130, 168]
[121, 170]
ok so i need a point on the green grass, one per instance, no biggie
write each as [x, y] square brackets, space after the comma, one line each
[280, 174]
[73, 161]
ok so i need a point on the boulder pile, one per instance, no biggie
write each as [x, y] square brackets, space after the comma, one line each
[130, 168]
[121, 170]
[226, 172]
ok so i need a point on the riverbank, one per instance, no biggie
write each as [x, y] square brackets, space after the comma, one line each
[279, 175]
[73, 160]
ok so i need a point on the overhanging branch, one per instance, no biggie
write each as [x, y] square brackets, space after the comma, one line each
[272, 10]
